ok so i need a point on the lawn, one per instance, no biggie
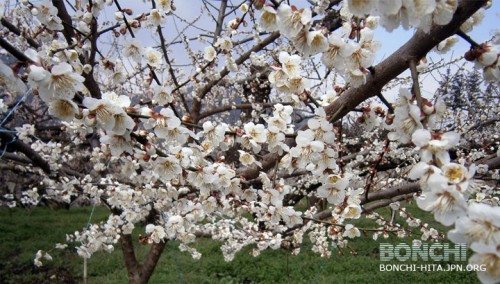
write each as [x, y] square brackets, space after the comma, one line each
[23, 233]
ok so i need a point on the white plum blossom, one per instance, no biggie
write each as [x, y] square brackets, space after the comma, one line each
[361, 8]
[435, 145]
[3, 107]
[46, 13]
[39, 255]
[162, 95]
[407, 118]
[291, 217]
[248, 159]
[60, 83]
[275, 140]
[268, 19]
[290, 63]
[295, 85]
[152, 57]
[224, 175]
[334, 189]
[444, 201]
[167, 168]
[175, 226]
[214, 133]
[359, 56]
[292, 20]
[315, 43]
[244, 8]
[307, 150]
[156, 17]
[63, 109]
[445, 9]
[118, 143]
[481, 225]
[156, 233]
[107, 113]
[284, 112]
[489, 257]
[353, 211]
[224, 43]
[210, 53]
[25, 132]
[162, 122]
[351, 232]
[255, 134]
[133, 49]
[446, 45]
[458, 175]
[165, 5]
[322, 128]
[422, 170]
[331, 57]
[476, 19]
[261, 111]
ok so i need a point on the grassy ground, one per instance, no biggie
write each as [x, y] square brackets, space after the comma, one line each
[23, 232]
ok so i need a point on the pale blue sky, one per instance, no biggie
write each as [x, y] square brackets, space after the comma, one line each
[190, 9]
[481, 33]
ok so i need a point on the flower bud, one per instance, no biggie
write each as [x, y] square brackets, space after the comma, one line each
[428, 107]
[471, 55]
[87, 68]
[128, 11]
[258, 4]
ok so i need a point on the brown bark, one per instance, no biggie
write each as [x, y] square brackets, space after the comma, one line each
[152, 259]
[14, 144]
[137, 273]
[133, 268]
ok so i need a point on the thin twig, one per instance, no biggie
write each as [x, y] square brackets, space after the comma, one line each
[416, 85]
[466, 37]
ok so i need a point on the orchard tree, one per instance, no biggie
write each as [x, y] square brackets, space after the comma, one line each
[218, 124]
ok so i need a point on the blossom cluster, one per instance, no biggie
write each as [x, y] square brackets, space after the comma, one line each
[446, 190]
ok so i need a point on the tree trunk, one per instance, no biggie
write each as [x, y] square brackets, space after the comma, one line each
[133, 268]
[140, 274]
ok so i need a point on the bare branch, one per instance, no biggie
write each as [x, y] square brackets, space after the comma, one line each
[220, 20]
[416, 84]
[17, 31]
[234, 107]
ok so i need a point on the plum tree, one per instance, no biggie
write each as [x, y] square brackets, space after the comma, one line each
[215, 119]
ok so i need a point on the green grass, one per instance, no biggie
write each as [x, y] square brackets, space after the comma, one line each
[23, 232]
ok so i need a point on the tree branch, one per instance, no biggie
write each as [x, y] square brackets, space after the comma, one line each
[133, 268]
[195, 110]
[152, 259]
[234, 107]
[14, 51]
[416, 85]
[18, 145]
[467, 38]
[18, 32]
[220, 20]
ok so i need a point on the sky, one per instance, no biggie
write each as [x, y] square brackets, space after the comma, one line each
[190, 10]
